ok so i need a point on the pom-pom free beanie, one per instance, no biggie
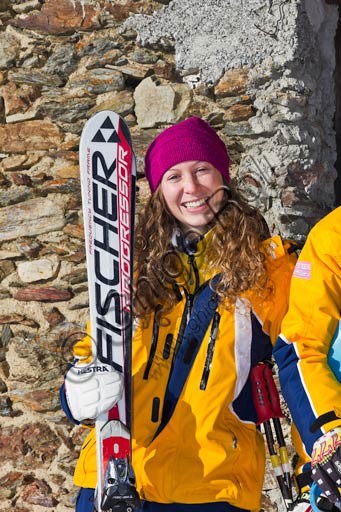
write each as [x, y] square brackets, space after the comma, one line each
[189, 140]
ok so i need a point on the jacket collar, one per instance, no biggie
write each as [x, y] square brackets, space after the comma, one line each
[192, 253]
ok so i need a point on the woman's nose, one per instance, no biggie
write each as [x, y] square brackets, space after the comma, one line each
[190, 184]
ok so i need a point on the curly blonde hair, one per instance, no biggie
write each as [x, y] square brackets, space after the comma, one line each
[234, 251]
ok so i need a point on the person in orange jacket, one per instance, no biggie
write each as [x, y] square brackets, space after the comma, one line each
[308, 356]
[208, 282]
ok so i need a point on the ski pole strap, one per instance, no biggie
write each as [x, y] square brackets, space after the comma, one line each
[264, 393]
[304, 480]
[315, 492]
[322, 420]
[204, 307]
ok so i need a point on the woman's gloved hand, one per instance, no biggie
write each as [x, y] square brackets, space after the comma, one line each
[326, 464]
[92, 389]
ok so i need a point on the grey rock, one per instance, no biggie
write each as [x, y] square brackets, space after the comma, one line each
[98, 81]
[66, 110]
[9, 51]
[7, 267]
[62, 61]
[30, 218]
[143, 56]
[213, 35]
[121, 102]
[99, 46]
[4, 5]
[35, 76]
[132, 69]
[15, 195]
[238, 129]
[38, 270]
[26, 6]
[157, 104]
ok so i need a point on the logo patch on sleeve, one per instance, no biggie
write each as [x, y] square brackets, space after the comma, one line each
[303, 270]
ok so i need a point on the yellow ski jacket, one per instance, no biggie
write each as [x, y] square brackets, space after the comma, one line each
[310, 387]
[210, 449]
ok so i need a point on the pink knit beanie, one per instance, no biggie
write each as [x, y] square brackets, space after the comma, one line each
[192, 139]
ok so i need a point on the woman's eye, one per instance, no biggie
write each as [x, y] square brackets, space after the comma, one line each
[173, 177]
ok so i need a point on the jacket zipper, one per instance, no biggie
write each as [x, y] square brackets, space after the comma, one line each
[185, 316]
[210, 350]
[193, 268]
[153, 346]
[184, 320]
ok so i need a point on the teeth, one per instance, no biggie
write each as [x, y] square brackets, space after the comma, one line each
[195, 204]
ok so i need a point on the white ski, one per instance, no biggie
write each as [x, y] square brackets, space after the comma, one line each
[108, 176]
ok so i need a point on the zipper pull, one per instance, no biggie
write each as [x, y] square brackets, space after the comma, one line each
[190, 263]
[189, 307]
[193, 272]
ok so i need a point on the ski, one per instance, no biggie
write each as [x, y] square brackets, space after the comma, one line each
[108, 183]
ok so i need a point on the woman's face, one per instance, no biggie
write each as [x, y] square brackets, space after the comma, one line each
[193, 193]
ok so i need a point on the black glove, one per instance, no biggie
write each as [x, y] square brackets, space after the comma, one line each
[326, 464]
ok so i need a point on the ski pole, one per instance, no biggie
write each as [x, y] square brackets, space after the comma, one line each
[276, 415]
[276, 465]
[283, 452]
[266, 410]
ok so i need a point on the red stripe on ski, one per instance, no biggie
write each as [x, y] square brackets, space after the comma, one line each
[124, 192]
[117, 447]
[114, 413]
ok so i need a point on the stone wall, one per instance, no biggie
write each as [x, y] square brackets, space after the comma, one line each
[260, 71]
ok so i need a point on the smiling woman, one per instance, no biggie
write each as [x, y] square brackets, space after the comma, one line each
[209, 295]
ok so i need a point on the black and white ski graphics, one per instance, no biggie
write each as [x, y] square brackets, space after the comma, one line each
[108, 181]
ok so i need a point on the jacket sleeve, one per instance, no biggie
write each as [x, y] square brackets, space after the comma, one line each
[309, 386]
[64, 404]
[273, 304]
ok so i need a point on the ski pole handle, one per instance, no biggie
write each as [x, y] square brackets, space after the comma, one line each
[315, 492]
[265, 393]
[273, 392]
[260, 394]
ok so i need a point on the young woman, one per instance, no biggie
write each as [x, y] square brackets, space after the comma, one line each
[210, 294]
